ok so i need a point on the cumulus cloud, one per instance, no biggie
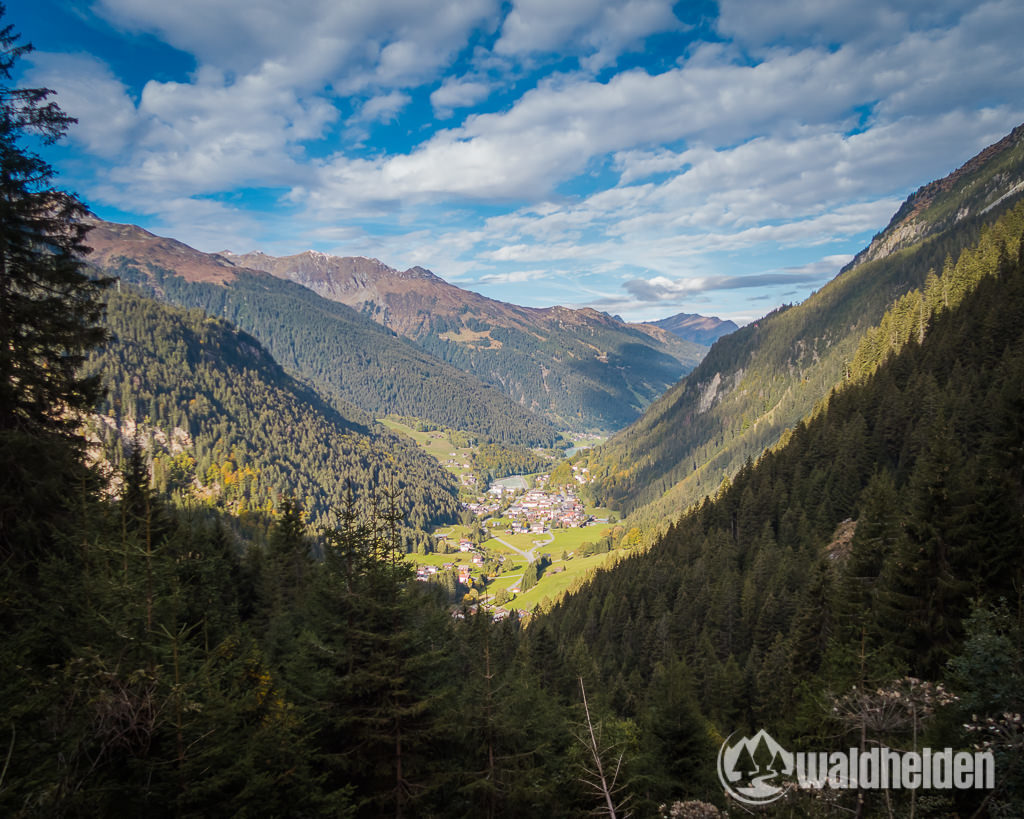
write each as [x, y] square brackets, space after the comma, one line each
[553, 132]
[598, 30]
[458, 92]
[88, 90]
[386, 43]
[383, 108]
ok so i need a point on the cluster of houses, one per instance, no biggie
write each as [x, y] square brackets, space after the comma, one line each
[533, 510]
[538, 509]
[465, 575]
[483, 508]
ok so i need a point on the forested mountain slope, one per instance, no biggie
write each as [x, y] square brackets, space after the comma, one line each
[764, 378]
[581, 369]
[884, 539]
[344, 355]
[221, 422]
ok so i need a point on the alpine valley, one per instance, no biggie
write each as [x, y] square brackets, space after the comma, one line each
[312, 536]
[573, 369]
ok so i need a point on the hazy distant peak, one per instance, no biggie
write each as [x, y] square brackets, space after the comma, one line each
[697, 328]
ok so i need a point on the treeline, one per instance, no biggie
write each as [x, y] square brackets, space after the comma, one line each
[910, 316]
[221, 423]
[878, 551]
[346, 356]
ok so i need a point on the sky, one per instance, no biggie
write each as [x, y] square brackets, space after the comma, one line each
[640, 157]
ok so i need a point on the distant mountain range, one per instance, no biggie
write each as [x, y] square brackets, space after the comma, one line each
[696, 328]
[349, 359]
[455, 357]
[580, 369]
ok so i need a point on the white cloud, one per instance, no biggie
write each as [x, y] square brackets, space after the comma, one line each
[385, 43]
[89, 91]
[553, 131]
[640, 164]
[513, 277]
[383, 108]
[458, 93]
[662, 288]
[177, 140]
[598, 30]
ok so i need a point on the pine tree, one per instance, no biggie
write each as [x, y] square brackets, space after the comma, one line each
[371, 664]
[921, 600]
[49, 310]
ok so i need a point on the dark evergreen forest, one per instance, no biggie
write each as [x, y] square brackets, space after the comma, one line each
[877, 551]
[348, 358]
[221, 422]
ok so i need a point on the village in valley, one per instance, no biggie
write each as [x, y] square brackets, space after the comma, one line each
[521, 543]
[534, 510]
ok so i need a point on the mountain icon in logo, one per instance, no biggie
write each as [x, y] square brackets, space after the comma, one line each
[751, 769]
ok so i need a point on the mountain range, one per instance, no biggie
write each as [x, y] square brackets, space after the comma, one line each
[490, 365]
[696, 328]
[577, 368]
[351, 361]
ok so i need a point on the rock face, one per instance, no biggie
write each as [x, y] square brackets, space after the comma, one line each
[986, 180]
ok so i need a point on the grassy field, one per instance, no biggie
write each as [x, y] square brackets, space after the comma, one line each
[524, 542]
[435, 443]
[571, 539]
[552, 585]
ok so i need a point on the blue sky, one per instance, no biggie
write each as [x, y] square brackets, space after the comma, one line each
[638, 156]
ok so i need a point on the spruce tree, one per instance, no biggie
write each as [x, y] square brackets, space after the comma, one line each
[49, 311]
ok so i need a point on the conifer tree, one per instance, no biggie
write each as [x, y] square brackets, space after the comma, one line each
[49, 309]
[371, 665]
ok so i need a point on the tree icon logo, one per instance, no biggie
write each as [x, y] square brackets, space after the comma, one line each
[750, 770]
